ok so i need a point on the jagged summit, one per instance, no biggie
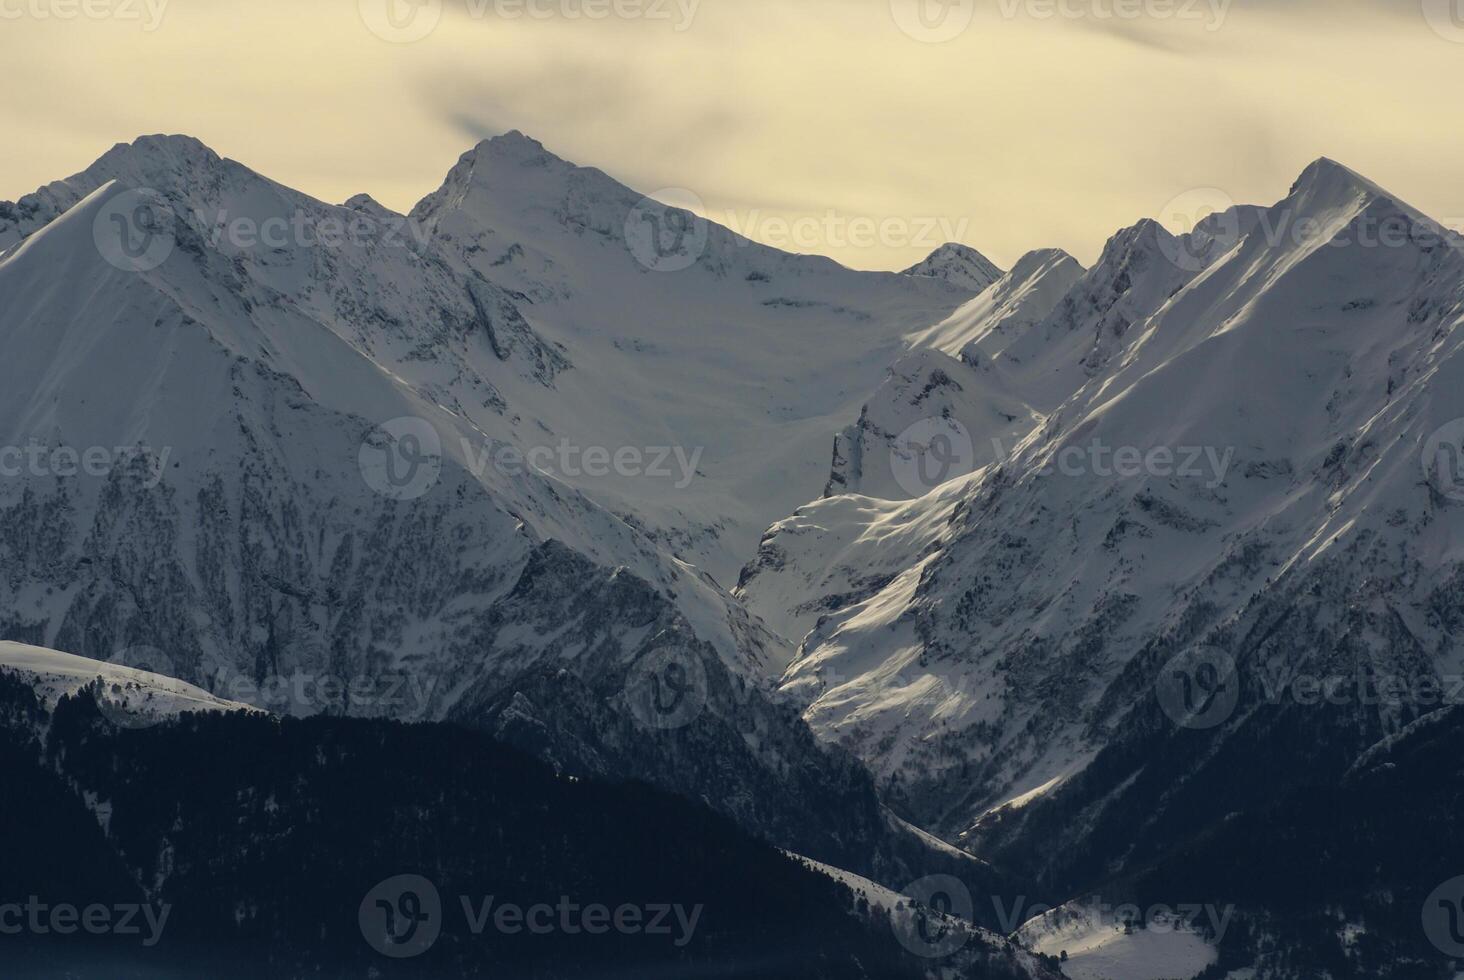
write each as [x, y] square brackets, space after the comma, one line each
[168, 144]
[510, 147]
[1145, 230]
[162, 161]
[513, 140]
[168, 163]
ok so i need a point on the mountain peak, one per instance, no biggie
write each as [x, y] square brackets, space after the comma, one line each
[960, 265]
[497, 162]
[512, 145]
[175, 149]
[167, 163]
[162, 161]
[1039, 259]
[1326, 181]
[169, 142]
[1330, 192]
[516, 137]
[1325, 169]
[1143, 237]
[366, 204]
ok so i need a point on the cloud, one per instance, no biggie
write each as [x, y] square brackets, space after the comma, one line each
[1024, 132]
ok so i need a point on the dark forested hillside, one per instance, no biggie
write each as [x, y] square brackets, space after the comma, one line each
[271, 843]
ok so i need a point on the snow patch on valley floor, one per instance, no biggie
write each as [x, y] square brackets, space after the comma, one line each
[1098, 948]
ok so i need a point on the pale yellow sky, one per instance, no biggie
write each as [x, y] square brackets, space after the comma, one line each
[853, 128]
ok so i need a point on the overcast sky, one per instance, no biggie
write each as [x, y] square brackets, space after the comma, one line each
[862, 129]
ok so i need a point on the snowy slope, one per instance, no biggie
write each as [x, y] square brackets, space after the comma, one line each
[243, 526]
[727, 376]
[901, 913]
[746, 355]
[995, 663]
[1008, 308]
[1134, 277]
[916, 431]
[840, 550]
[138, 694]
[272, 365]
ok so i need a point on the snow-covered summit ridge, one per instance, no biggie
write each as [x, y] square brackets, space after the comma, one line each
[512, 182]
[662, 300]
[1007, 308]
[368, 205]
[54, 674]
[960, 265]
[1325, 178]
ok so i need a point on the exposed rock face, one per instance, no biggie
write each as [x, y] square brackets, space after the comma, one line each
[918, 430]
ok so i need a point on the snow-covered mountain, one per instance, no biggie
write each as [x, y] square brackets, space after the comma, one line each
[685, 334]
[960, 265]
[514, 446]
[309, 438]
[1228, 457]
[240, 385]
[1008, 309]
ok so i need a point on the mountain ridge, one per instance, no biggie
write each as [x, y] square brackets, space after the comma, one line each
[1146, 366]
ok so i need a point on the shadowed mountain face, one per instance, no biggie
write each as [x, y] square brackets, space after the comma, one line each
[339, 848]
